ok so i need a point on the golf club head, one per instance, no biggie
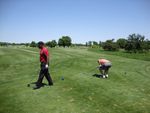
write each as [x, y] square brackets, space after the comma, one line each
[62, 78]
[28, 85]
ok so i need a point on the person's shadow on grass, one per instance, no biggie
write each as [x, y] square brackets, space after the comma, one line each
[32, 84]
[98, 75]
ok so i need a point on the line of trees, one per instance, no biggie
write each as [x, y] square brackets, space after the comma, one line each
[13, 44]
[52, 43]
[133, 44]
[64, 41]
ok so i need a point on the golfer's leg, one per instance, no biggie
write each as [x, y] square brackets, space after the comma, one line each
[106, 72]
[101, 71]
[107, 69]
[41, 76]
[48, 77]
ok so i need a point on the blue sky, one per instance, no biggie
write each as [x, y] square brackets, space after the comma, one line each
[82, 20]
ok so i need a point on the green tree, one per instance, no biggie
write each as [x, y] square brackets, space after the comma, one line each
[54, 43]
[33, 44]
[27, 44]
[121, 42]
[3, 43]
[146, 45]
[110, 45]
[64, 41]
[51, 44]
[48, 43]
[100, 44]
[86, 44]
[89, 43]
[60, 42]
[95, 43]
[135, 43]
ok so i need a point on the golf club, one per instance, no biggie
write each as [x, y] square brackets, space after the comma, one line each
[31, 81]
[88, 71]
[28, 85]
[93, 69]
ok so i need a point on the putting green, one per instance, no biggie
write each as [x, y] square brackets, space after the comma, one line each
[127, 90]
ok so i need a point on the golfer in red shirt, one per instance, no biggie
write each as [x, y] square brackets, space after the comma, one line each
[44, 59]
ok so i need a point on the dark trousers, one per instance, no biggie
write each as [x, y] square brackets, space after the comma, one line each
[44, 72]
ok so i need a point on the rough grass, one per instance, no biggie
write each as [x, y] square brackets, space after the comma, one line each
[127, 90]
[140, 56]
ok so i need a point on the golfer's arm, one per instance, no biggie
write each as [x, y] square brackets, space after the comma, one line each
[48, 60]
[47, 57]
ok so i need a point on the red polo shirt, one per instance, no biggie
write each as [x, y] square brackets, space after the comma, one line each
[103, 61]
[44, 54]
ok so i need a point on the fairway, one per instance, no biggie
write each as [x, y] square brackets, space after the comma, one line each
[127, 90]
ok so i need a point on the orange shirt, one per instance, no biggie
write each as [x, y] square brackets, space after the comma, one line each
[103, 61]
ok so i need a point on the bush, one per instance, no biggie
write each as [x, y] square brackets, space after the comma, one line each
[95, 46]
[64, 41]
[136, 43]
[121, 42]
[33, 44]
[110, 45]
[51, 44]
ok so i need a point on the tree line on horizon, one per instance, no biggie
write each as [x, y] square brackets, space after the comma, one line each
[64, 41]
[133, 43]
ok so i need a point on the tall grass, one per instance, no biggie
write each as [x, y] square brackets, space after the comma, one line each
[122, 53]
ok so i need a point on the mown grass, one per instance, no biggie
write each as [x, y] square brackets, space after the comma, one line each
[127, 90]
[122, 53]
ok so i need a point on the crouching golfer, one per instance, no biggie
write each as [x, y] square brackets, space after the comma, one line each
[104, 66]
[44, 59]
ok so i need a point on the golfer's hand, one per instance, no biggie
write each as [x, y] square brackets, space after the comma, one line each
[98, 66]
[46, 66]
